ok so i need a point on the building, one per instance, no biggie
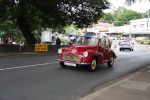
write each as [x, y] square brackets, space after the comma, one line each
[119, 31]
[140, 27]
[136, 28]
[100, 27]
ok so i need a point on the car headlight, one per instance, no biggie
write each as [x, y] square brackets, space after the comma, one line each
[85, 54]
[59, 51]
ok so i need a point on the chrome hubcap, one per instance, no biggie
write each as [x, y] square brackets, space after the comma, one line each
[112, 61]
[93, 65]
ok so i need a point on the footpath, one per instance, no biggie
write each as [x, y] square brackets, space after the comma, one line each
[135, 86]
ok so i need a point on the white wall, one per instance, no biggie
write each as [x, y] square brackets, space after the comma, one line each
[119, 29]
[46, 36]
[140, 24]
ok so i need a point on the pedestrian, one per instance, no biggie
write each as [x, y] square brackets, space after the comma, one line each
[58, 43]
[21, 46]
[6, 41]
[71, 42]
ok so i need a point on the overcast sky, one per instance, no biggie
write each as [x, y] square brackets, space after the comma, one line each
[138, 6]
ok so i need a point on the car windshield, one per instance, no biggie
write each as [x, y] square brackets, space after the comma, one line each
[125, 43]
[86, 40]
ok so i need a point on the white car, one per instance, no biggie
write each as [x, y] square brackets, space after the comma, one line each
[126, 45]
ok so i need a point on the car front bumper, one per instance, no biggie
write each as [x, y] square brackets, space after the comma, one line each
[73, 62]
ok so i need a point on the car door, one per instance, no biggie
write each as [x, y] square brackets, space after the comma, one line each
[102, 48]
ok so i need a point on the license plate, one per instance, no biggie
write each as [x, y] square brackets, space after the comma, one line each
[69, 64]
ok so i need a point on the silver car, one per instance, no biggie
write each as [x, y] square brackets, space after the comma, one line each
[126, 45]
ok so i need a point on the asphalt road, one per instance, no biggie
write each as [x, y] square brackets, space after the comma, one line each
[41, 77]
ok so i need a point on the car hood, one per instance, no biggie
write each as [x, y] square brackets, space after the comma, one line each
[79, 49]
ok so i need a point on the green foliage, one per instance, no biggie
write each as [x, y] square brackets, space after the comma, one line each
[121, 16]
[71, 29]
[107, 17]
[147, 14]
[52, 13]
[36, 15]
[145, 41]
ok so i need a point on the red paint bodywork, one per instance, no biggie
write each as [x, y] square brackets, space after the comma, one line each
[74, 54]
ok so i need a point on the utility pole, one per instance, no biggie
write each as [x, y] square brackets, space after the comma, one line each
[148, 19]
[148, 22]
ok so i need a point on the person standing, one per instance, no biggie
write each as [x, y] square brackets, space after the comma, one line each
[58, 43]
[21, 46]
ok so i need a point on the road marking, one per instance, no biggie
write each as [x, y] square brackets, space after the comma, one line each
[10, 68]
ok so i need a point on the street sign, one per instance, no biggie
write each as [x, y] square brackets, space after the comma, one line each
[41, 47]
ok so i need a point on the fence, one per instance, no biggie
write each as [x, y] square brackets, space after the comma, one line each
[10, 48]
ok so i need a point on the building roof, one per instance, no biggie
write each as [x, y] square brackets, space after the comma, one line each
[104, 26]
[139, 20]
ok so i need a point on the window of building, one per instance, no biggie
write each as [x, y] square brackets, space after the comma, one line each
[134, 27]
[141, 25]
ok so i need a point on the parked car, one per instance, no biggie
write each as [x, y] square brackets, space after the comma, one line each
[88, 50]
[126, 45]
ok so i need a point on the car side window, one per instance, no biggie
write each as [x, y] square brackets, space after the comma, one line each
[105, 43]
[102, 42]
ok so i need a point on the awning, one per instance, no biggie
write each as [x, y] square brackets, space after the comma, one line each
[138, 32]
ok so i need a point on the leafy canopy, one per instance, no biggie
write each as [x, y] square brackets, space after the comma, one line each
[54, 13]
[121, 16]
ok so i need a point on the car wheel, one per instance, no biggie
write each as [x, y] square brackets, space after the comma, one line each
[120, 49]
[111, 62]
[62, 64]
[93, 65]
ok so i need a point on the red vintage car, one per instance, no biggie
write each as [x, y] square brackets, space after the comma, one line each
[88, 50]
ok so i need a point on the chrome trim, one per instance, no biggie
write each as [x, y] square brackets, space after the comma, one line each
[85, 63]
[59, 60]
[74, 62]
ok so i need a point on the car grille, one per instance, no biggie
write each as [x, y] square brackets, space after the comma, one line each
[71, 58]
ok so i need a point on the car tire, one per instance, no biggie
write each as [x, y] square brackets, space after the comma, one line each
[93, 65]
[110, 63]
[62, 64]
[120, 49]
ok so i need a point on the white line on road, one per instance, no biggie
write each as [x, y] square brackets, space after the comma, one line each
[28, 66]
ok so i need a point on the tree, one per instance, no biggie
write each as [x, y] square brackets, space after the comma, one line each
[147, 14]
[31, 15]
[107, 17]
[71, 29]
[123, 16]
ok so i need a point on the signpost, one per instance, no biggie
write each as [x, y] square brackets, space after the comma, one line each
[41, 47]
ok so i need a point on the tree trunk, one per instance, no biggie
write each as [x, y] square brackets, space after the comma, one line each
[25, 29]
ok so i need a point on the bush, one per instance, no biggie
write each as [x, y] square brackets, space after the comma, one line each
[145, 41]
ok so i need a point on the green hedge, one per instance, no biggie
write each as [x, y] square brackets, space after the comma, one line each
[145, 41]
